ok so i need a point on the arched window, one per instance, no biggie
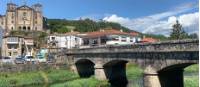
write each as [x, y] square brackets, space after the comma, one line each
[24, 13]
[12, 28]
[20, 28]
[24, 27]
[29, 28]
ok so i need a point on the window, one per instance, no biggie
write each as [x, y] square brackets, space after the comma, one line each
[123, 40]
[35, 22]
[12, 39]
[53, 44]
[12, 16]
[1, 23]
[53, 38]
[12, 22]
[35, 28]
[12, 28]
[24, 14]
[24, 28]
[20, 28]
[29, 28]
[12, 46]
[9, 53]
[115, 39]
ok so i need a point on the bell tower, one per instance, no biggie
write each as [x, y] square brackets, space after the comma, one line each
[11, 6]
[38, 17]
[10, 16]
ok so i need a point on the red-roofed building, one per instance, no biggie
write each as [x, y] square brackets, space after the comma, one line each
[109, 37]
[149, 40]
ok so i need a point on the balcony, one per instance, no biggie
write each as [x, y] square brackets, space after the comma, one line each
[12, 40]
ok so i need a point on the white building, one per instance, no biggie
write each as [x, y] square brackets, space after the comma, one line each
[68, 40]
[72, 40]
[110, 37]
[13, 46]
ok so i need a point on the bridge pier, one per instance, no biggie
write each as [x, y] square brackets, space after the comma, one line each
[151, 78]
[73, 68]
[99, 72]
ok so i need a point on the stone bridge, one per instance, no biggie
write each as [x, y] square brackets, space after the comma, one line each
[163, 62]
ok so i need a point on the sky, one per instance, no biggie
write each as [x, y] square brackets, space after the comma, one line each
[146, 16]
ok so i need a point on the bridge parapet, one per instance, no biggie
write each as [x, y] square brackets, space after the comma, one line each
[167, 46]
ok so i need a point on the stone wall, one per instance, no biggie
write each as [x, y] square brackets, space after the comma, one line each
[167, 46]
[30, 67]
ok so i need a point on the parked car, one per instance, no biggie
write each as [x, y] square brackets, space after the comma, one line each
[7, 60]
[19, 60]
[40, 58]
[50, 58]
[30, 59]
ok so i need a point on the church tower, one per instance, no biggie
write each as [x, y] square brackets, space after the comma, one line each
[22, 17]
[10, 16]
[38, 18]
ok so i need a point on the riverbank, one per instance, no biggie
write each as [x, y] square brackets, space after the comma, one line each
[48, 78]
[135, 75]
[23, 79]
[84, 82]
[191, 76]
[66, 78]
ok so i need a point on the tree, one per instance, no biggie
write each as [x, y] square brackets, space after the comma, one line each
[193, 36]
[84, 25]
[178, 32]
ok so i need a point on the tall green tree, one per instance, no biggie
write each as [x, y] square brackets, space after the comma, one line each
[193, 36]
[178, 32]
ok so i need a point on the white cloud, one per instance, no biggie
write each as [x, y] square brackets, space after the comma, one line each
[161, 23]
[147, 25]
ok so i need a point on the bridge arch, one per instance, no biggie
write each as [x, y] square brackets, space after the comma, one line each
[115, 72]
[172, 76]
[85, 68]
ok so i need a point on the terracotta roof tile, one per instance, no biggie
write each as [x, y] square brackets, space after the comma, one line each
[150, 40]
[105, 32]
[134, 34]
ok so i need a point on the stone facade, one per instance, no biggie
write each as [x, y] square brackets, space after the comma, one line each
[22, 18]
[13, 46]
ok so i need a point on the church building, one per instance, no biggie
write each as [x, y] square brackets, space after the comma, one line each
[24, 17]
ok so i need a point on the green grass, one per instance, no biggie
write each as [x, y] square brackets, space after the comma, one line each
[134, 75]
[192, 68]
[35, 78]
[133, 71]
[86, 82]
[191, 81]
[53, 76]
